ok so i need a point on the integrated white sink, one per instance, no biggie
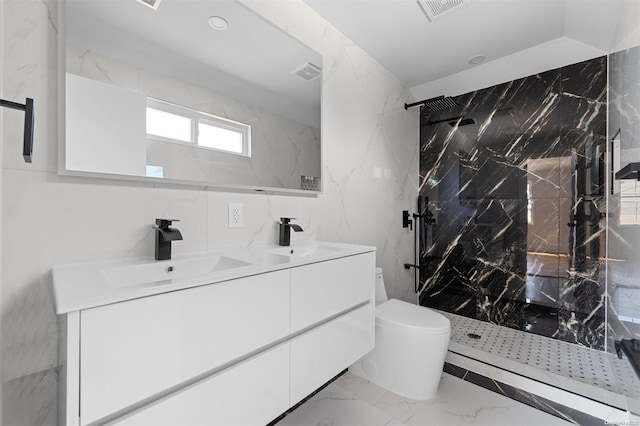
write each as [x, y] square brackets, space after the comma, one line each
[88, 285]
[306, 250]
[169, 271]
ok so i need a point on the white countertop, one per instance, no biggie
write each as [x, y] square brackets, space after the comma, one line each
[89, 285]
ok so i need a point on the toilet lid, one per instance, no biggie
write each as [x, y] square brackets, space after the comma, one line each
[407, 315]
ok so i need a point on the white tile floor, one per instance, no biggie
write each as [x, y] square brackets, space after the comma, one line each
[352, 401]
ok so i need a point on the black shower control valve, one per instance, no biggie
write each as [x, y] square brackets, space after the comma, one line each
[406, 222]
[427, 217]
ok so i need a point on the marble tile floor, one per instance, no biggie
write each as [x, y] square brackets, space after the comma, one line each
[352, 401]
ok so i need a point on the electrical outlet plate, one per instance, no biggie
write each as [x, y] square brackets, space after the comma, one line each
[235, 215]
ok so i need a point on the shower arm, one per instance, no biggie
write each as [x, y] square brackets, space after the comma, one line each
[439, 103]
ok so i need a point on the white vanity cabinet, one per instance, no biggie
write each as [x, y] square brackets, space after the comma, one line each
[251, 393]
[322, 290]
[323, 352]
[132, 350]
[240, 351]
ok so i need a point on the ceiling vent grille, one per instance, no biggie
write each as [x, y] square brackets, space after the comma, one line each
[436, 8]
[153, 4]
[307, 71]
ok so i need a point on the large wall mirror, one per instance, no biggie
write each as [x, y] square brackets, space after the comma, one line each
[202, 92]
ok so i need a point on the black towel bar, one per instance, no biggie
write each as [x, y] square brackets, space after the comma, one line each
[27, 107]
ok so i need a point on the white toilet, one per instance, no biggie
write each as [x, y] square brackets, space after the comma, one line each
[411, 345]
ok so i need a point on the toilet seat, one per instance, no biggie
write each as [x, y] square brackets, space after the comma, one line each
[402, 315]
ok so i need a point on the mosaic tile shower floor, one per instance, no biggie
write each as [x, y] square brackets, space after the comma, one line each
[588, 366]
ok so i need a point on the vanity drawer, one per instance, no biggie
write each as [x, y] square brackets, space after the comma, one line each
[320, 354]
[252, 393]
[323, 289]
[133, 350]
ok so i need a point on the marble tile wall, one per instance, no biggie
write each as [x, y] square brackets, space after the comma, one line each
[370, 169]
[518, 237]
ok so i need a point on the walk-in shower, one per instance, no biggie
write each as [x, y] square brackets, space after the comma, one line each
[518, 252]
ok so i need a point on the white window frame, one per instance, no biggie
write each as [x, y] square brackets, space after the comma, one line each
[197, 117]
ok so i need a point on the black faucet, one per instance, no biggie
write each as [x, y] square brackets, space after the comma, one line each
[164, 236]
[285, 230]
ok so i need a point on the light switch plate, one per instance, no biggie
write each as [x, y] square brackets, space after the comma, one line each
[235, 215]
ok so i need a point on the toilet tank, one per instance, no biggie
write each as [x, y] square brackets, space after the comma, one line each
[381, 292]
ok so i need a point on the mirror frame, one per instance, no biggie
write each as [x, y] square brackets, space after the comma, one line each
[167, 182]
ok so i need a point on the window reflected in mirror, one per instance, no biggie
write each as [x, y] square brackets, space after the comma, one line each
[168, 122]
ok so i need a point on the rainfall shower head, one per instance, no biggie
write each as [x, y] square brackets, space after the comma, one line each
[453, 121]
[463, 122]
[439, 103]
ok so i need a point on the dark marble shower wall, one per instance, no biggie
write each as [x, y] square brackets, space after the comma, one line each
[518, 237]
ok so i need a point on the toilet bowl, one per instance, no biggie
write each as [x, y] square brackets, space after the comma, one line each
[411, 345]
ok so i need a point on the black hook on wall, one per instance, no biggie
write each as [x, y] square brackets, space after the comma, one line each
[27, 107]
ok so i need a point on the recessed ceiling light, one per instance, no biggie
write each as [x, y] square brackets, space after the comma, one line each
[218, 23]
[477, 59]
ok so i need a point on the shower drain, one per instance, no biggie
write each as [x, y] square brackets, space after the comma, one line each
[474, 335]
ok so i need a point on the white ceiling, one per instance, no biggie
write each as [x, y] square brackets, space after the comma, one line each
[399, 36]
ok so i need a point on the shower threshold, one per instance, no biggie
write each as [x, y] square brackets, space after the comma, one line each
[542, 364]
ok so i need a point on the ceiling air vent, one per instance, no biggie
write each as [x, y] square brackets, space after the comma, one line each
[307, 71]
[153, 4]
[436, 8]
